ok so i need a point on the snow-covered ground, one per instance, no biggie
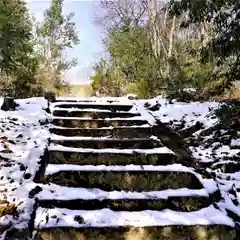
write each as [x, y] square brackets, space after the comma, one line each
[208, 143]
[179, 116]
[24, 136]
[23, 139]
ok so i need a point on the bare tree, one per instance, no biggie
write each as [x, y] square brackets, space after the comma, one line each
[115, 14]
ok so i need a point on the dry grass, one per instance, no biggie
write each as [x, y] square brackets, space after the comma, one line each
[233, 93]
[84, 90]
[7, 209]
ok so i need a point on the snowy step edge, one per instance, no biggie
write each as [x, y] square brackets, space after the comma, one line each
[96, 103]
[56, 217]
[88, 110]
[103, 128]
[160, 150]
[136, 118]
[53, 168]
[79, 138]
[209, 184]
[94, 98]
[56, 192]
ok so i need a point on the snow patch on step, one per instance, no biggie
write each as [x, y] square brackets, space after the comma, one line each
[108, 139]
[82, 110]
[55, 192]
[208, 184]
[54, 168]
[46, 218]
[98, 99]
[97, 103]
[103, 128]
[160, 150]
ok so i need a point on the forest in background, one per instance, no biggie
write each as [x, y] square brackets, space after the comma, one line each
[184, 49]
[188, 49]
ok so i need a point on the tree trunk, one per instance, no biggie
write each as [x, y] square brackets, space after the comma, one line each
[8, 104]
[171, 37]
[50, 96]
[152, 15]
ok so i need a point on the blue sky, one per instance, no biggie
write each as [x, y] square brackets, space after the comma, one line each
[90, 48]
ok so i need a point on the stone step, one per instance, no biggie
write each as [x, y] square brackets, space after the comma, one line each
[176, 203]
[171, 232]
[109, 106]
[97, 143]
[93, 114]
[85, 100]
[205, 224]
[75, 100]
[226, 166]
[95, 123]
[116, 132]
[125, 180]
[91, 158]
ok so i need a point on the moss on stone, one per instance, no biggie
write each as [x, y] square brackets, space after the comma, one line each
[213, 232]
[180, 203]
[111, 143]
[95, 123]
[58, 157]
[129, 181]
[94, 115]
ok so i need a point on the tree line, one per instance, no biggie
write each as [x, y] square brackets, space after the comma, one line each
[186, 49]
[32, 53]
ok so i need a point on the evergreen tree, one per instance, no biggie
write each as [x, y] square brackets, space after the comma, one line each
[17, 61]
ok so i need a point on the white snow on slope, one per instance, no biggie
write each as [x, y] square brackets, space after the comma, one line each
[160, 150]
[203, 112]
[190, 112]
[25, 144]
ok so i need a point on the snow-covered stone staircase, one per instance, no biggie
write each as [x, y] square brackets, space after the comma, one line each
[113, 172]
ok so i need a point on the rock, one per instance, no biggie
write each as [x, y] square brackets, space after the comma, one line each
[20, 136]
[27, 175]
[43, 122]
[50, 96]
[147, 104]
[155, 107]
[8, 104]
[3, 228]
[132, 96]
[79, 219]
[22, 167]
[189, 131]
[11, 141]
[34, 191]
